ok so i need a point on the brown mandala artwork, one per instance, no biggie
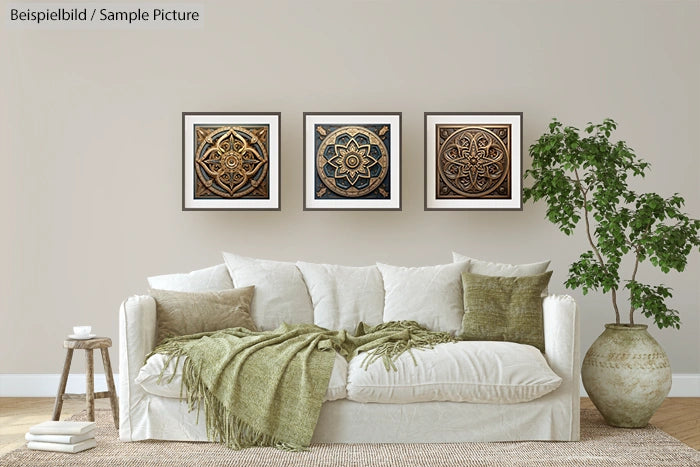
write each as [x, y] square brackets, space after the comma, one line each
[473, 161]
[231, 162]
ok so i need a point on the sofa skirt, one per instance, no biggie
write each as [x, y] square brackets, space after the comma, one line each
[343, 421]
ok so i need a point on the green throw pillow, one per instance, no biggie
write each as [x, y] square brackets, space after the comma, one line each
[504, 308]
[183, 313]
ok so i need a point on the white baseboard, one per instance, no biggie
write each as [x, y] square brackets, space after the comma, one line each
[682, 385]
[46, 385]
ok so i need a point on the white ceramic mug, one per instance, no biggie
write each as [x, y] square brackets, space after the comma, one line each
[82, 331]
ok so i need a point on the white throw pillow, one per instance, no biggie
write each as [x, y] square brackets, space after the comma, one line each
[212, 279]
[280, 292]
[486, 268]
[150, 373]
[431, 295]
[468, 371]
[343, 296]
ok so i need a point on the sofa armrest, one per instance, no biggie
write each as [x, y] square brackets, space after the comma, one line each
[137, 335]
[562, 348]
[561, 335]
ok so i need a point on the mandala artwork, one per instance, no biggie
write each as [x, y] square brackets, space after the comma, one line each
[231, 162]
[473, 161]
[352, 161]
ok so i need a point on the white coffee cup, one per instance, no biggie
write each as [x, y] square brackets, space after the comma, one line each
[82, 331]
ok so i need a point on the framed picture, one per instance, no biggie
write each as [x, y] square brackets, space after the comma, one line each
[230, 161]
[473, 161]
[352, 161]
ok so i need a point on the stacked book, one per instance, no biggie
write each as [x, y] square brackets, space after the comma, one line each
[65, 436]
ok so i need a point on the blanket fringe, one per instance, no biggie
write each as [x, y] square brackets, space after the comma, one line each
[418, 338]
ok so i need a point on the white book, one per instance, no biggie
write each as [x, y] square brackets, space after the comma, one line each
[62, 428]
[77, 447]
[63, 439]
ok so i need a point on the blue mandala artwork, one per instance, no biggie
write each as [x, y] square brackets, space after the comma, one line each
[352, 161]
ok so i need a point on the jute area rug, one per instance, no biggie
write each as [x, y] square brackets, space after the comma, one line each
[600, 445]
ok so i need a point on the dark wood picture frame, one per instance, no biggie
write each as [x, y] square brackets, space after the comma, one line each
[473, 161]
[236, 166]
[368, 172]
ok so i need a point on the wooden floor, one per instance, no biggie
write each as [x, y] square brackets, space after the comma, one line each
[17, 414]
[678, 416]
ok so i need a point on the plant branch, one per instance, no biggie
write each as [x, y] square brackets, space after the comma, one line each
[634, 275]
[586, 218]
[636, 266]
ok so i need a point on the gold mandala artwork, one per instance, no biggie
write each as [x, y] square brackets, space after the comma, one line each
[231, 162]
[473, 161]
[352, 161]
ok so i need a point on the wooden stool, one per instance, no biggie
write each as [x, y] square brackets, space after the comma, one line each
[88, 345]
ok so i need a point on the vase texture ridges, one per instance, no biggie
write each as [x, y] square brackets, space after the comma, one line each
[627, 375]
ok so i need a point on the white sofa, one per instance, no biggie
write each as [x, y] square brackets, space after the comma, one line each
[440, 416]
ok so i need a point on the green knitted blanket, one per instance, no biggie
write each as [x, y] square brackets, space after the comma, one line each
[266, 388]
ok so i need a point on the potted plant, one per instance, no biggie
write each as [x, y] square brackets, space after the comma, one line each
[583, 178]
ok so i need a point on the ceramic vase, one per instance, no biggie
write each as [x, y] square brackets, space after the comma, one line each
[627, 375]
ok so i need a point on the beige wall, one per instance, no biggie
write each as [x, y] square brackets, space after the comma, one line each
[91, 142]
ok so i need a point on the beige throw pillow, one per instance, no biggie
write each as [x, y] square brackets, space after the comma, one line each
[183, 313]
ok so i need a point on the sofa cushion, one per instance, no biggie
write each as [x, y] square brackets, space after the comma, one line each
[431, 295]
[481, 372]
[343, 296]
[171, 380]
[210, 279]
[167, 385]
[182, 313]
[280, 291]
[487, 268]
[504, 308]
